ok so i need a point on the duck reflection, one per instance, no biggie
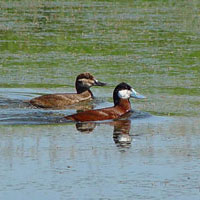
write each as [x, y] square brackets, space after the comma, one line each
[86, 127]
[121, 130]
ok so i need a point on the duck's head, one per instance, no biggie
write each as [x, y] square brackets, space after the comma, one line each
[85, 81]
[125, 91]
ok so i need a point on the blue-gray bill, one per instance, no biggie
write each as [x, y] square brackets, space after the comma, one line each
[136, 95]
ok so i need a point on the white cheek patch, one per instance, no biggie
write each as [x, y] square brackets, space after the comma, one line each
[124, 94]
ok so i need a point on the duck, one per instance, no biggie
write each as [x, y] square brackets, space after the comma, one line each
[121, 95]
[84, 82]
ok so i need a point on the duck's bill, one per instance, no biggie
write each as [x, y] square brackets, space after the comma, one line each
[98, 83]
[136, 95]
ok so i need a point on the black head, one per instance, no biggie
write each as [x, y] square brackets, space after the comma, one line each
[122, 86]
[125, 91]
[85, 80]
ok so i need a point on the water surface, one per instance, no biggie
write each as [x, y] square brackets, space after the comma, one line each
[151, 154]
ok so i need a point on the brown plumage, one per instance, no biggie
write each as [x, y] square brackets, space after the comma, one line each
[83, 84]
[114, 112]
[122, 105]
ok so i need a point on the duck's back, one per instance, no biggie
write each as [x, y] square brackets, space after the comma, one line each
[114, 112]
[97, 115]
[59, 100]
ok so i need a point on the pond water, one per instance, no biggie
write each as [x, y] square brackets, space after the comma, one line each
[154, 153]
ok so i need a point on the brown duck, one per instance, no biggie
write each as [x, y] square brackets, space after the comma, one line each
[83, 84]
[121, 95]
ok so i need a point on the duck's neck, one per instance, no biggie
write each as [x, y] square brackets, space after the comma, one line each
[84, 92]
[80, 89]
[124, 104]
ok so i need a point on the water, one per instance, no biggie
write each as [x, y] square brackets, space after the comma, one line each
[151, 154]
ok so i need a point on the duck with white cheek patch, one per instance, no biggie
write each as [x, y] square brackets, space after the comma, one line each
[121, 95]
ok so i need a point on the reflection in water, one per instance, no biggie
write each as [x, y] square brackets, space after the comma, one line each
[121, 130]
[53, 158]
[121, 133]
[122, 126]
[85, 127]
